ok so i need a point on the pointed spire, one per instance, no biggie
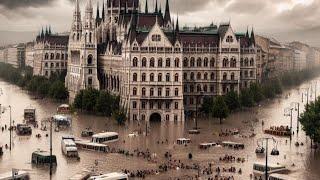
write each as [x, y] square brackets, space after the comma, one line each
[160, 9]
[42, 33]
[252, 38]
[47, 32]
[50, 30]
[247, 33]
[146, 8]
[77, 8]
[103, 13]
[98, 12]
[177, 24]
[156, 8]
[167, 16]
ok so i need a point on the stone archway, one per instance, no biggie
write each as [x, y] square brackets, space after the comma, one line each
[155, 117]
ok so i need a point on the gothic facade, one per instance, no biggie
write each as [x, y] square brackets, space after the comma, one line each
[159, 70]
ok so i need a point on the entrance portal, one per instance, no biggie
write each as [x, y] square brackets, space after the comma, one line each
[155, 117]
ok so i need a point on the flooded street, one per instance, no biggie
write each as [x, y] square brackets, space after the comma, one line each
[306, 161]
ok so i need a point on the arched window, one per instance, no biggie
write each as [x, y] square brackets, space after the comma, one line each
[192, 62]
[205, 62]
[177, 62]
[143, 77]
[135, 62]
[176, 92]
[58, 56]
[185, 76]
[192, 76]
[89, 60]
[198, 88]
[46, 56]
[232, 76]
[199, 62]
[159, 77]
[225, 62]
[151, 77]
[62, 56]
[229, 39]
[233, 62]
[143, 91]
[135, 77]
[151, 92]
[185, 62]
[78, 36]
[205, 76]
[199, 76]
[212, 62]
[251, 62]
[205, 88]
[159, 92]
[168, 77]
[168, 62]
[191, 88]
[241, 62]
[144, 62]
[176, 77]
[134, 92]
[152, 62]
[160, 62]
[225, 76]
[51, 56]
[246, 62]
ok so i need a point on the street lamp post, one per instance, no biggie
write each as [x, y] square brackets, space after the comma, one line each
[51, 147]
[296, 106]
[272, 153]
[288, 112]
[10, 129]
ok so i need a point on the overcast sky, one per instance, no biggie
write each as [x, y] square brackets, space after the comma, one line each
[284, 19]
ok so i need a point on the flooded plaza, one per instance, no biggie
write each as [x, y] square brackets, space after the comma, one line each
[160, 139]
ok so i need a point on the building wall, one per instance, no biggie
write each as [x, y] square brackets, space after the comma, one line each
[16, 56]
[30, 54]
[300, 60]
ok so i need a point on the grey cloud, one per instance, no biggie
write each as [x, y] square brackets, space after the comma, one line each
[246, 6]
[13, 4]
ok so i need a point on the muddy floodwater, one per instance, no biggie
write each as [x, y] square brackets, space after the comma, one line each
[160, 139]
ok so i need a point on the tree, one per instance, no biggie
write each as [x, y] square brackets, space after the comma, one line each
[256, 91]
[310, 121]
[77, 103]
[58, 91]
[246, 98]
[104, 104]
[277, 86]
[232, 100]
[268, 91]
[120, 116]
[89, 99]
[219, 109]
[207, 105]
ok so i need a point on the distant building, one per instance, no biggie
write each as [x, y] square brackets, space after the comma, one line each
[300, 60]
[50, 53]
[30, 54]
[16, 56]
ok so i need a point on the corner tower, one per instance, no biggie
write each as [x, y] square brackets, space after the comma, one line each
[82, 59]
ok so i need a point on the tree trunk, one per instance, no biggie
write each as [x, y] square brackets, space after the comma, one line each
[220, 120]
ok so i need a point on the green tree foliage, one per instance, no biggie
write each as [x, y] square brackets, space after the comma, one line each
[77, 103]
[89, 99]
[207, 105]
[246, 98]
[120, 116]
[310, 121]
[232, 100]
[219, 109]
[257, 92]
[58, 91]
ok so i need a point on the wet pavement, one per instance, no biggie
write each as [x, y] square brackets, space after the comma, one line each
[306, 160]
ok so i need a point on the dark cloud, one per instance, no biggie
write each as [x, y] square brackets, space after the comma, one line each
[13, 4]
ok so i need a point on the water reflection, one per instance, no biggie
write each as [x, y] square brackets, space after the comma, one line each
[306, 162]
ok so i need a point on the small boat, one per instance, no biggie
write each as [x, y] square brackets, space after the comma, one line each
[62, 120]
[63, 109]
[15, 174]
[87, 133]
[23, 130]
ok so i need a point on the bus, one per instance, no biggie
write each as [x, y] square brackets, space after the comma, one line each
[15, 174]
[90, 146]
[277, 176]
[42, 158]
[106, 137]
[110, 176]
[69, 147]
[259, 170]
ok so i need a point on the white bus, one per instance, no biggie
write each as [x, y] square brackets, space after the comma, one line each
[276, 176]
[110, 176]
[259, 170]
[69, 147]
[90, 146]
[15, 175]
[105, 137]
